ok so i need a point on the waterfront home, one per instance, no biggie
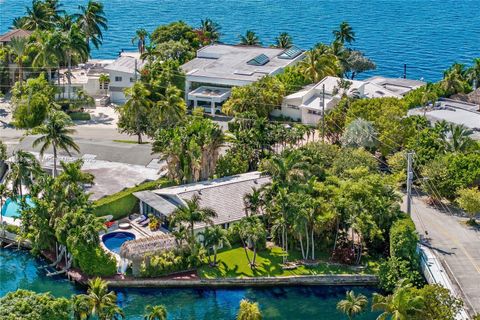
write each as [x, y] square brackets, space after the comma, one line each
[453, 111]
[86, 77]
[307, 105]
[400, 86]
[219, 67]
[123, 72]
[224, 195]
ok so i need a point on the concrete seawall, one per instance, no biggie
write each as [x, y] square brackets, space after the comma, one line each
[320, 280]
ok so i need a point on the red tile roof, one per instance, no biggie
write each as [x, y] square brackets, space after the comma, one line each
[16, 33]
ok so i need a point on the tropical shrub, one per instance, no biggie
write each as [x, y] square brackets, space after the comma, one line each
[28, 305]
[231, 163]
[80, 116]
[393, 270]
[94, 261]
[155, 265]
[403, 240]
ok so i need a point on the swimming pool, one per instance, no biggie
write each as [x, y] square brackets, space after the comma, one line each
[114, 240]
[11, 207]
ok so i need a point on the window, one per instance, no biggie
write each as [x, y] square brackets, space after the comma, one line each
[290, 53]
[318, 113]
[259, 60]
[118, 79]
[103, 86]
[291, 106]
[132, 80]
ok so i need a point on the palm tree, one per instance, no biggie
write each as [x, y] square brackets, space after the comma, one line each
[155, 313]
[352, 304]
[150, 53]
[22, 171]
[55, 132]
[38, 17]
[317, 66]
[454, 79]
[104, 80]
[100, 299]
[457, 139]
[215, 237]
[249, 311]
[92, 21]
[19, 48]
[81, 305]
[401, 305]
[73, 45]
[473, 73]
[283, 41]
[113, 312]
[253, 202]
[250, 39]
[191, 213]
[171, 107]
[135, 109]
[210, 30]
[344, 33]
[141, 37]
[48, 51]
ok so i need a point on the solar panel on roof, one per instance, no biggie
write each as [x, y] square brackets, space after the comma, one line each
[259, 60]
[290, 53]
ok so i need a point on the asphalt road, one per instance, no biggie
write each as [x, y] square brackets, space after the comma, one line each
[456, 244]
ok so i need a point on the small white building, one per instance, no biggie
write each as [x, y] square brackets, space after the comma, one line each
[219, 67]
[307, 104]
[224, 195]
[123, 72]
[86, 77]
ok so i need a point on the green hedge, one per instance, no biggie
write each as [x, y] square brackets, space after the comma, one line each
[83, 116]
[404, 239]
[123, 203]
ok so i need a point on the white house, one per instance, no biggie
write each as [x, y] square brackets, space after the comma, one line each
[219, 67]
[307, 104]
[123, 73]
[224, 195]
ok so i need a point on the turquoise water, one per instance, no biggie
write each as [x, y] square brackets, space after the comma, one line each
[113, 241]
[427, 35]
[11, 207]
[18, 269]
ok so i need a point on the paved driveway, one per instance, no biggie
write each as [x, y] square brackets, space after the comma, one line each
[457, 246]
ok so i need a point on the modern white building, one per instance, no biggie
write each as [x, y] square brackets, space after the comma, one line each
[123, 73]
[224, 195]
[400, 86]
[307, 105]
[219, 67]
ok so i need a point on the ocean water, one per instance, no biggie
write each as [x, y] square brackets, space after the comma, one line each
[18, 269]
[427, 35]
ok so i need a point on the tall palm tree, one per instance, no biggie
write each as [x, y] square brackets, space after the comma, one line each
[48, 51]
[250, 39]
[473, 73]
[19, 48]
[215, 237]
[155, 313]
[344, 34]
[454, 79]
[353, 304]
[317, 66]
[38, 17]
[191, 213]
[23, 170]
[249, 311]
[253, 202]
[284, 41]
[141, 38]
[55, 132]
[104, 80]
[135, 109]
[92, 21]
[401, 305]
[100, 299]
[150, 53]
[73, 46]
[210, 30]
[171, 107]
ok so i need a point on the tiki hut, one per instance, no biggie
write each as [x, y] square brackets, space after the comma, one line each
[135, 250]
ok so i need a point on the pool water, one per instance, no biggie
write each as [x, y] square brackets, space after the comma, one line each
[11, 207]
[19, 269]
[113, 241]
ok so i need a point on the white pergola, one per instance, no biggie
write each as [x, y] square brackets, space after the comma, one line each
[210, 94]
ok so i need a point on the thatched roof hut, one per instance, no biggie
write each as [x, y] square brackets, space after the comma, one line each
[472, 97]
[135, 250]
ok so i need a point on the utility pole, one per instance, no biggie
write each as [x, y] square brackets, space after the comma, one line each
[135, 72]
[323, 113]
[409, 182]
[404, 71]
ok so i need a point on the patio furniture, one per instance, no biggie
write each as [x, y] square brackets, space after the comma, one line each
[145, 223]
[125, 225]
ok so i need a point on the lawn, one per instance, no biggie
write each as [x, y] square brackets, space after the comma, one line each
[130, 141]
[233, 263]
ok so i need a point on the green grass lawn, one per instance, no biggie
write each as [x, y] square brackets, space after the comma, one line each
[130, 141]
[233, 263]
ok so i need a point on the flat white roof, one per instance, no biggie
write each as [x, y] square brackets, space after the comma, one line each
[232, 62]
[126, 63]
[400, 86]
